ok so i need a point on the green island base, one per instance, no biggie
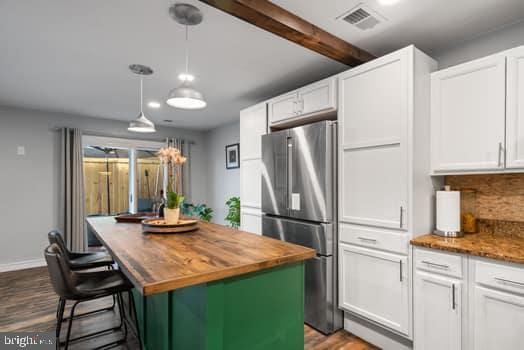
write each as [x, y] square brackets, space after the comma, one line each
[258, 311]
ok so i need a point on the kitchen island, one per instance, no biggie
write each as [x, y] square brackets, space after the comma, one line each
[212, 289]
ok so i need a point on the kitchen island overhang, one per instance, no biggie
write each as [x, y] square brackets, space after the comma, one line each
[216, 288]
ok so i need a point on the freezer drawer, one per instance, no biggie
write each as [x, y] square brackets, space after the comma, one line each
[320, 301]
[318, 236]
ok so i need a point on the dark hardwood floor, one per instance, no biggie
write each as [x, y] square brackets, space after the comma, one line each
[28, 303]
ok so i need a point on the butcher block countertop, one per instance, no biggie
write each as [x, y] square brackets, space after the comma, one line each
[157, 263]
[506, 247]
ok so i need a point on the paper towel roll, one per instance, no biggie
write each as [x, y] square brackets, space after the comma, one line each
[448, 211]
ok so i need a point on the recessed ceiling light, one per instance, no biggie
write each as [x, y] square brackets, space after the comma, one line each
[387, 2]
[154, 104]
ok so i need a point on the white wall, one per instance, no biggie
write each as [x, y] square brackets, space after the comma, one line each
[29, 185]
[483, 45]
[222, 183]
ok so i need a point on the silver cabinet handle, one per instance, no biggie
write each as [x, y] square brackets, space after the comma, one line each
[295, 109]
[440, 266]
[500, 154]
[502, 280]
[453, 296]
[370, 240]
[400, 263]
[401, 216]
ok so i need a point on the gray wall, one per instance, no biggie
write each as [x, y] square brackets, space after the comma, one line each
[483, 45]
[222, 183]
[29, 184]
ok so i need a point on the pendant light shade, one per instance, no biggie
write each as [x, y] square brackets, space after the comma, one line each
[141, 124]
[186, 97]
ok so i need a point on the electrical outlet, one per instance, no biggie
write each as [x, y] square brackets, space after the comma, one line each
[20, 150]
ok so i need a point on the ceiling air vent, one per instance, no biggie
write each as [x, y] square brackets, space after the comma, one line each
[362, 17]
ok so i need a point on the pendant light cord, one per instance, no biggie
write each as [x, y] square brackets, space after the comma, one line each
[141, 95]
[187, 51]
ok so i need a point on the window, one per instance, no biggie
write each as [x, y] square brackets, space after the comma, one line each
[121, 176]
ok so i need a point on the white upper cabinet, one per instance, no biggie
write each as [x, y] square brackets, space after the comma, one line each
[373, 116]
[515, 109]
[315, 98]
[467, 115]
[253, 124]
[283, 107]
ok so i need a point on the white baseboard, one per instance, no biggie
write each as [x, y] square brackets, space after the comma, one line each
[374, 334]
[21, 265]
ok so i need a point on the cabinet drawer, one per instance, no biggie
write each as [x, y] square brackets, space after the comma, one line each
[508, 278]
[438, 262]
[374, 238]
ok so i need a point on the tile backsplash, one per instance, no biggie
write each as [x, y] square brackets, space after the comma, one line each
[499, 200]
[499, 196]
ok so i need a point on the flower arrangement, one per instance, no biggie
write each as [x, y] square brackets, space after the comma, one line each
[174, 160]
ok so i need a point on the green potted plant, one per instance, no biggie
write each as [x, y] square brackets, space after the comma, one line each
[233, 213]
[174, 198]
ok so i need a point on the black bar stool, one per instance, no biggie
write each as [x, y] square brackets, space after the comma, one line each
[84, 286]
[82, 261]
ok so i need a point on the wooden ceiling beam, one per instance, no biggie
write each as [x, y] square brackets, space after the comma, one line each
[268, 16]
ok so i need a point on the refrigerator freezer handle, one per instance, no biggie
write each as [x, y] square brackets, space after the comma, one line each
[289, 171]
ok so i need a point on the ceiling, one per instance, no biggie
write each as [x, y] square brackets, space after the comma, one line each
[431, 25]
[72, 56]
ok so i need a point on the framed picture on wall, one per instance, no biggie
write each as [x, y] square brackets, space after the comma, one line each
[233, 156]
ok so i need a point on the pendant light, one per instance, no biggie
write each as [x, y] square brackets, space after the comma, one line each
[186, 96]
[141, 124]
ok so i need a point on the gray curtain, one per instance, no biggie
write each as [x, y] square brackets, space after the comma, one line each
[185, 147]
[72, 210]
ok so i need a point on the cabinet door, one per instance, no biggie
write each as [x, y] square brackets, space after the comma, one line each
[251, 183]
[498, 321]
[468, 115]
[437, 303]
[515, 109]
[282, 107]
[251, 220]
[317, 97]
[253, 124]
[375, 285]
[373, 112]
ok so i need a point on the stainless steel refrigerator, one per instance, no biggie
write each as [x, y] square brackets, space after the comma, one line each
[299, 188]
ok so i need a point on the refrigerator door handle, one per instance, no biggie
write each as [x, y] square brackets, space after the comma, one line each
[289, 171]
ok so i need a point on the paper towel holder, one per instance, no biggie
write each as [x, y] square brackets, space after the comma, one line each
[450, 234]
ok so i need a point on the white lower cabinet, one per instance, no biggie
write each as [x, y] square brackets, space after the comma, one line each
[438, 312]
[498, 322]
[374, 285]
[481, 309]
[497, 305]
[251, 220]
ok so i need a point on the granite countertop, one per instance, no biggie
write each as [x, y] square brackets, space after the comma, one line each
[507, 247]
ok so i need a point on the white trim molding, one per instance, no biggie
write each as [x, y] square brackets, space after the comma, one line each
[21, 265]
